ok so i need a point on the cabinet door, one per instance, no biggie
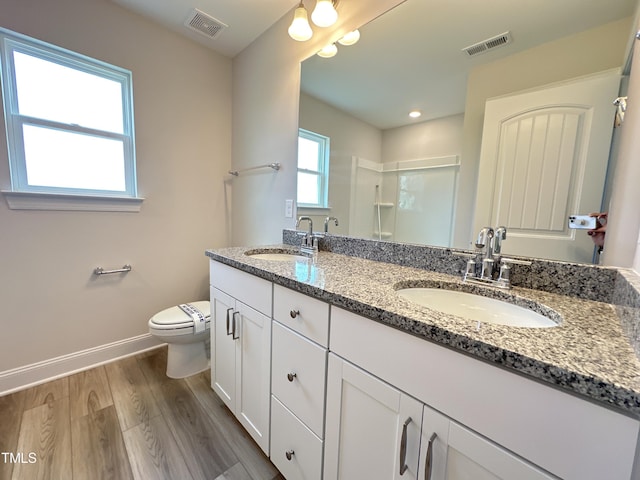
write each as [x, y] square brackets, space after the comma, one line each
[456, 453]
[223, 355]
[372, 429]
[253, 372]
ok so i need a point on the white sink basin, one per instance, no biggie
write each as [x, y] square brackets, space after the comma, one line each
[476, 307]
[277, 256]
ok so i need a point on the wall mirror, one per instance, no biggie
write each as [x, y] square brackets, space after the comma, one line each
[395, 178]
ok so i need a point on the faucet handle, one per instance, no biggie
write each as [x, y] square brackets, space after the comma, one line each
[515, 261]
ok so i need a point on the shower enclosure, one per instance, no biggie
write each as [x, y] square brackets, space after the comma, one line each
[411, 201]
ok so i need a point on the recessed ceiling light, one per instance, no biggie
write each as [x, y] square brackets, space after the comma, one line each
[415, 113]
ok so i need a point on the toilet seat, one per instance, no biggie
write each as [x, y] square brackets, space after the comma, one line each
[174, 318]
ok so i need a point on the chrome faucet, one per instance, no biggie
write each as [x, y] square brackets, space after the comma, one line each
[326, 223]
[310, 224]
[484, 246]
[487, 266]
[309, 241]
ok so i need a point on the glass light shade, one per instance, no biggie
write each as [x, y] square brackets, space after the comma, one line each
[350, 38]
[328, 51]
[300, 29]
[324, 15]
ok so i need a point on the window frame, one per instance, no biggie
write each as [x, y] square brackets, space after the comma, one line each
[11, 42]
[324, 150]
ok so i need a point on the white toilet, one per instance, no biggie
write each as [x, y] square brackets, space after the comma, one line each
[185, 328]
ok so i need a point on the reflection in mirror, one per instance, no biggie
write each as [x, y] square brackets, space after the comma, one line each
[395, 178]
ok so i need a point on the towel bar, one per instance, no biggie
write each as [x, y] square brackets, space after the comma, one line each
[102, 271]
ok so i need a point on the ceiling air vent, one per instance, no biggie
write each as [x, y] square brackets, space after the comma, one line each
[488, 44]
[204, 24]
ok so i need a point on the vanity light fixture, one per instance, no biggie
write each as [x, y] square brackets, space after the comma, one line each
[350, 38]
[325, 13]
[415, 113]
[300, 29]
[328, 51]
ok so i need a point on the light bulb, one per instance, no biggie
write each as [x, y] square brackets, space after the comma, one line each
[328, 51]
[415, 113]
[324, 15]
[350, 38]
[300, 29]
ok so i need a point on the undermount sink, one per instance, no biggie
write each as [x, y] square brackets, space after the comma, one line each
[478, 308]
[276, 255]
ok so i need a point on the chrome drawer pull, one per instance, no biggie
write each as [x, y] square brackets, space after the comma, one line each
[234, 326]
[294, 313]
[228, 321]
[403, 447]
[291, 376]
[289, 454]
[429, 460]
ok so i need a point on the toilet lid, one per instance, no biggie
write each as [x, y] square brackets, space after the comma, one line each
[175, 317]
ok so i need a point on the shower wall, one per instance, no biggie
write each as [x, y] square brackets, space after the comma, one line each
[410, 201]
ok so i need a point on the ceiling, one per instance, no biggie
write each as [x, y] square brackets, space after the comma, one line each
[425, 35]
[412, 58]
[246, 19]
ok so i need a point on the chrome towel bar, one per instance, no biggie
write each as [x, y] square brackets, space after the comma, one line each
[235, 173]
[102, 271]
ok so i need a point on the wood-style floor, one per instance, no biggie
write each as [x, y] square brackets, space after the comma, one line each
[126, 420]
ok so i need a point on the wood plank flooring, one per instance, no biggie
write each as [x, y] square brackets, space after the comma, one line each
[126, 420]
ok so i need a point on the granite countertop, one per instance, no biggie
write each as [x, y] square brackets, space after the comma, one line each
[588, 354]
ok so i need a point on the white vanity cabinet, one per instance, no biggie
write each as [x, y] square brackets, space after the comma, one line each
[449, 451]
[241, 347]
[377, 432]
[498, 419]
[299, 365]
[373, 429]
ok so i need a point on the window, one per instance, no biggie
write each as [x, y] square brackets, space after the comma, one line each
[313, 169]
[69, 121]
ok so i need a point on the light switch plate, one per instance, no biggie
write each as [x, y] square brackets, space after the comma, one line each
[288, 208]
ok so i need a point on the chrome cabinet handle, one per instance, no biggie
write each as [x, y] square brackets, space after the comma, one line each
[289, 454]
[228, 321]
[291, 376]
[429, 459]
[234, 325]
[403, 447]
[294, 313]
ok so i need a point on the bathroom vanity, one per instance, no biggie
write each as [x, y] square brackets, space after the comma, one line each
[335, 375]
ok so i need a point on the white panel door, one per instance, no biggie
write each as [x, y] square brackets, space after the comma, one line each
[544, 157]
[365, 424]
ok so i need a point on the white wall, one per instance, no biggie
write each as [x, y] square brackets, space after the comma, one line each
[265, 119]
[349, 137]
[434, 138]
[50, 303]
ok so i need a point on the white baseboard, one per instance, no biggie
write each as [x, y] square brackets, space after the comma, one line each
[41, 372]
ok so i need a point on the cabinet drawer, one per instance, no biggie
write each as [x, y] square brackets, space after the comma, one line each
[288, 434]
[298, 376]
[301, 313]
[249, 289]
